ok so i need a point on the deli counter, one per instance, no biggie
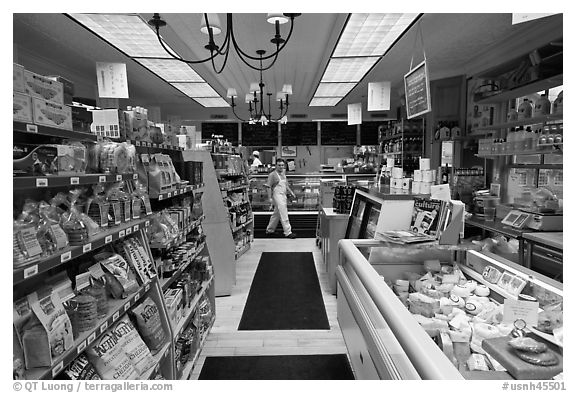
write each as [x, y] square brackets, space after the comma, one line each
[437, 312]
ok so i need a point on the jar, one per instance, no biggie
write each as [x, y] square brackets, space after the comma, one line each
[525, 110]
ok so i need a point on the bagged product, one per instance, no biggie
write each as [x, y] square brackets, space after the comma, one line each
[137, 255]
[97, 206]
[132, 344]
[80, 369]
[120, 271]
[197, 210]
[49, 333]
[27, 248]
[149, 324]
[109, 359]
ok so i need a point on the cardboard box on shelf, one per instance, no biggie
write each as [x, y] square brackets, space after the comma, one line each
[22, 107]
[38, 86]
[51, 114]
[110, 123]
[18, 78]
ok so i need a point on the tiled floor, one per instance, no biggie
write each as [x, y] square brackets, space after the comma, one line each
[225, 340]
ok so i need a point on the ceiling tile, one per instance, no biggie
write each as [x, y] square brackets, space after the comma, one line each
[196, 89]
[171, 70]
[348, 70]
[331, 101]
[333, 89]
[129, 33]
[212, 102]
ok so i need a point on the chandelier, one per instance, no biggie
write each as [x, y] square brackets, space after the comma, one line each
[256, 97]
[211, 26]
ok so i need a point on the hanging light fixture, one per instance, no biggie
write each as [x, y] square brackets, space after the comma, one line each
[256, 97]
[210, 25]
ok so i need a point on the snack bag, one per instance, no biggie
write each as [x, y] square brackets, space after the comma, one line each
[120, 271]
[109, 359]
[149, 324]
[80, 369]
[132, 345]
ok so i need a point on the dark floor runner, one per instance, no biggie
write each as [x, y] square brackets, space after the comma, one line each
[285, 294]
[316, 367]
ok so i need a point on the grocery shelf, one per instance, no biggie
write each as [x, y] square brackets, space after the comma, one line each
[234, 230]
[186, 318]
[242, 251]
[224, 172]
[242, 186]
[160, 355]
[236, 204]
[163, 146]
[27, 182]
[557, 150]
[52, 131]
[180, 191]
[523, 122]
[116, 308]
[520, 91]
[71, 252]
[190, 364]
[400, 135]
[180, 238]
[166, 282]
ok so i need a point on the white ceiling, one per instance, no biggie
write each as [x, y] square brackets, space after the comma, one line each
[50, 43]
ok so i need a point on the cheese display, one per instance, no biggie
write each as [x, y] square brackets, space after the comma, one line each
[465, 315]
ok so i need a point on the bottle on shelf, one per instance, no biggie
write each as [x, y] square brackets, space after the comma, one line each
[542, 106]
[557, 107]
[525, 110]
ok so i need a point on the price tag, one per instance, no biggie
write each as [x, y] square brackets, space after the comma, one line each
[101, 179]
[108, 239]
[147, 224]
[81, 348]
[74, 181]
[155, 145]
[118, 177]
[121, 234]
[169, 195]
[137, 297]
[137, 143]
[147, 287]
[42, 182]
[30, 271]
[104, 327]
[56, 370]
[91, 338]
[66, 257]
[136, 228]
[32, 128]
[116, 316]
[127, 306]
[128, 231]
[160, 197]
[87, 247]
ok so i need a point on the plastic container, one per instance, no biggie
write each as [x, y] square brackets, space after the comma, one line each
[512, 115]
[525, 110]
[557, 107]
[542, 106]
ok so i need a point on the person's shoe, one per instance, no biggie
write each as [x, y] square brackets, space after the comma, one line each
[291, 236]
[269, 234]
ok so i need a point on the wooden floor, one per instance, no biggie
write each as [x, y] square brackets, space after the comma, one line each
[226, 340]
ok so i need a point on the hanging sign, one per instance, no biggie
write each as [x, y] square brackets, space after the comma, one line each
[354, 114]
[417, 86]
[378, 96]
[112, 80]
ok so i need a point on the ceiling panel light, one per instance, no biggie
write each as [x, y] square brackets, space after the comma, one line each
[129, 33]
[171, 70]
[196, 89]
[348, 70]
[371, 34]
[212, 102]
[333, 89]
[328, 101]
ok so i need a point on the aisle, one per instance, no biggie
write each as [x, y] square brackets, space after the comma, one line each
[225, 339]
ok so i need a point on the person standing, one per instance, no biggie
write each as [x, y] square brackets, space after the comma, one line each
[256, 162]
[277, 186]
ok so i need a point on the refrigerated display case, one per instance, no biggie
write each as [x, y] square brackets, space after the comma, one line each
[387, 338]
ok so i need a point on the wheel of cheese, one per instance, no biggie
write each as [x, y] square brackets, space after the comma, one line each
[482, 290]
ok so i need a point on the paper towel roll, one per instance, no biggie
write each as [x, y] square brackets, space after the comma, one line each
[416, 187]
[424, 163]
[406, 183]
[425, 188]
[390, 162]
[427, 176]
[396, 183]
[397, 173]
[417, 175]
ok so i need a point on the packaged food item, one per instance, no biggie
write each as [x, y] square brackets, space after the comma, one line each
[132, 345]
[114, 158]
[26, 247]
[527, 344]
[50, 234]
[547, 358]
[120, 271]
[80, 369]
[120, 203]
[137, 255]
[17, 368]
[149, 324]
[197, 210]
[21, 108]
[83, 312]
[51, 114]
[48, 334]
[109, 359]
[551, 317]
[18, 78]
[97, 206]
[42, 87]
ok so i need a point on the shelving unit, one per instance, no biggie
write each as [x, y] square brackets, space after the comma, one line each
[166, 282]
[182, 191]
[523, 122]
[29, 128]
[190, 365]
[30, 182]
[155, 145]
[520, 91]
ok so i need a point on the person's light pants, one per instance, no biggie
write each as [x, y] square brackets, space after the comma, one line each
[280, 214]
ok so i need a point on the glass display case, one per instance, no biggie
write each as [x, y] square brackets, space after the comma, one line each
[406, 317]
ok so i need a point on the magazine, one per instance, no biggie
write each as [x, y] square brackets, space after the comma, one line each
[426, 215]
[405, 237]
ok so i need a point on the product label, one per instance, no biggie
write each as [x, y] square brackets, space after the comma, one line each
[82, 281]
[127, 306]
[121, 234]
[31, 271]
[116, 316]
[101, 179]
[81, 348]
[59, 236]
[66, 257]
[128, 231]
[108, 239]
[74, 180]
[118, 177]
[87, 248]
[92, 337]
[32, 128]
[42, 182]
[104, 327]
